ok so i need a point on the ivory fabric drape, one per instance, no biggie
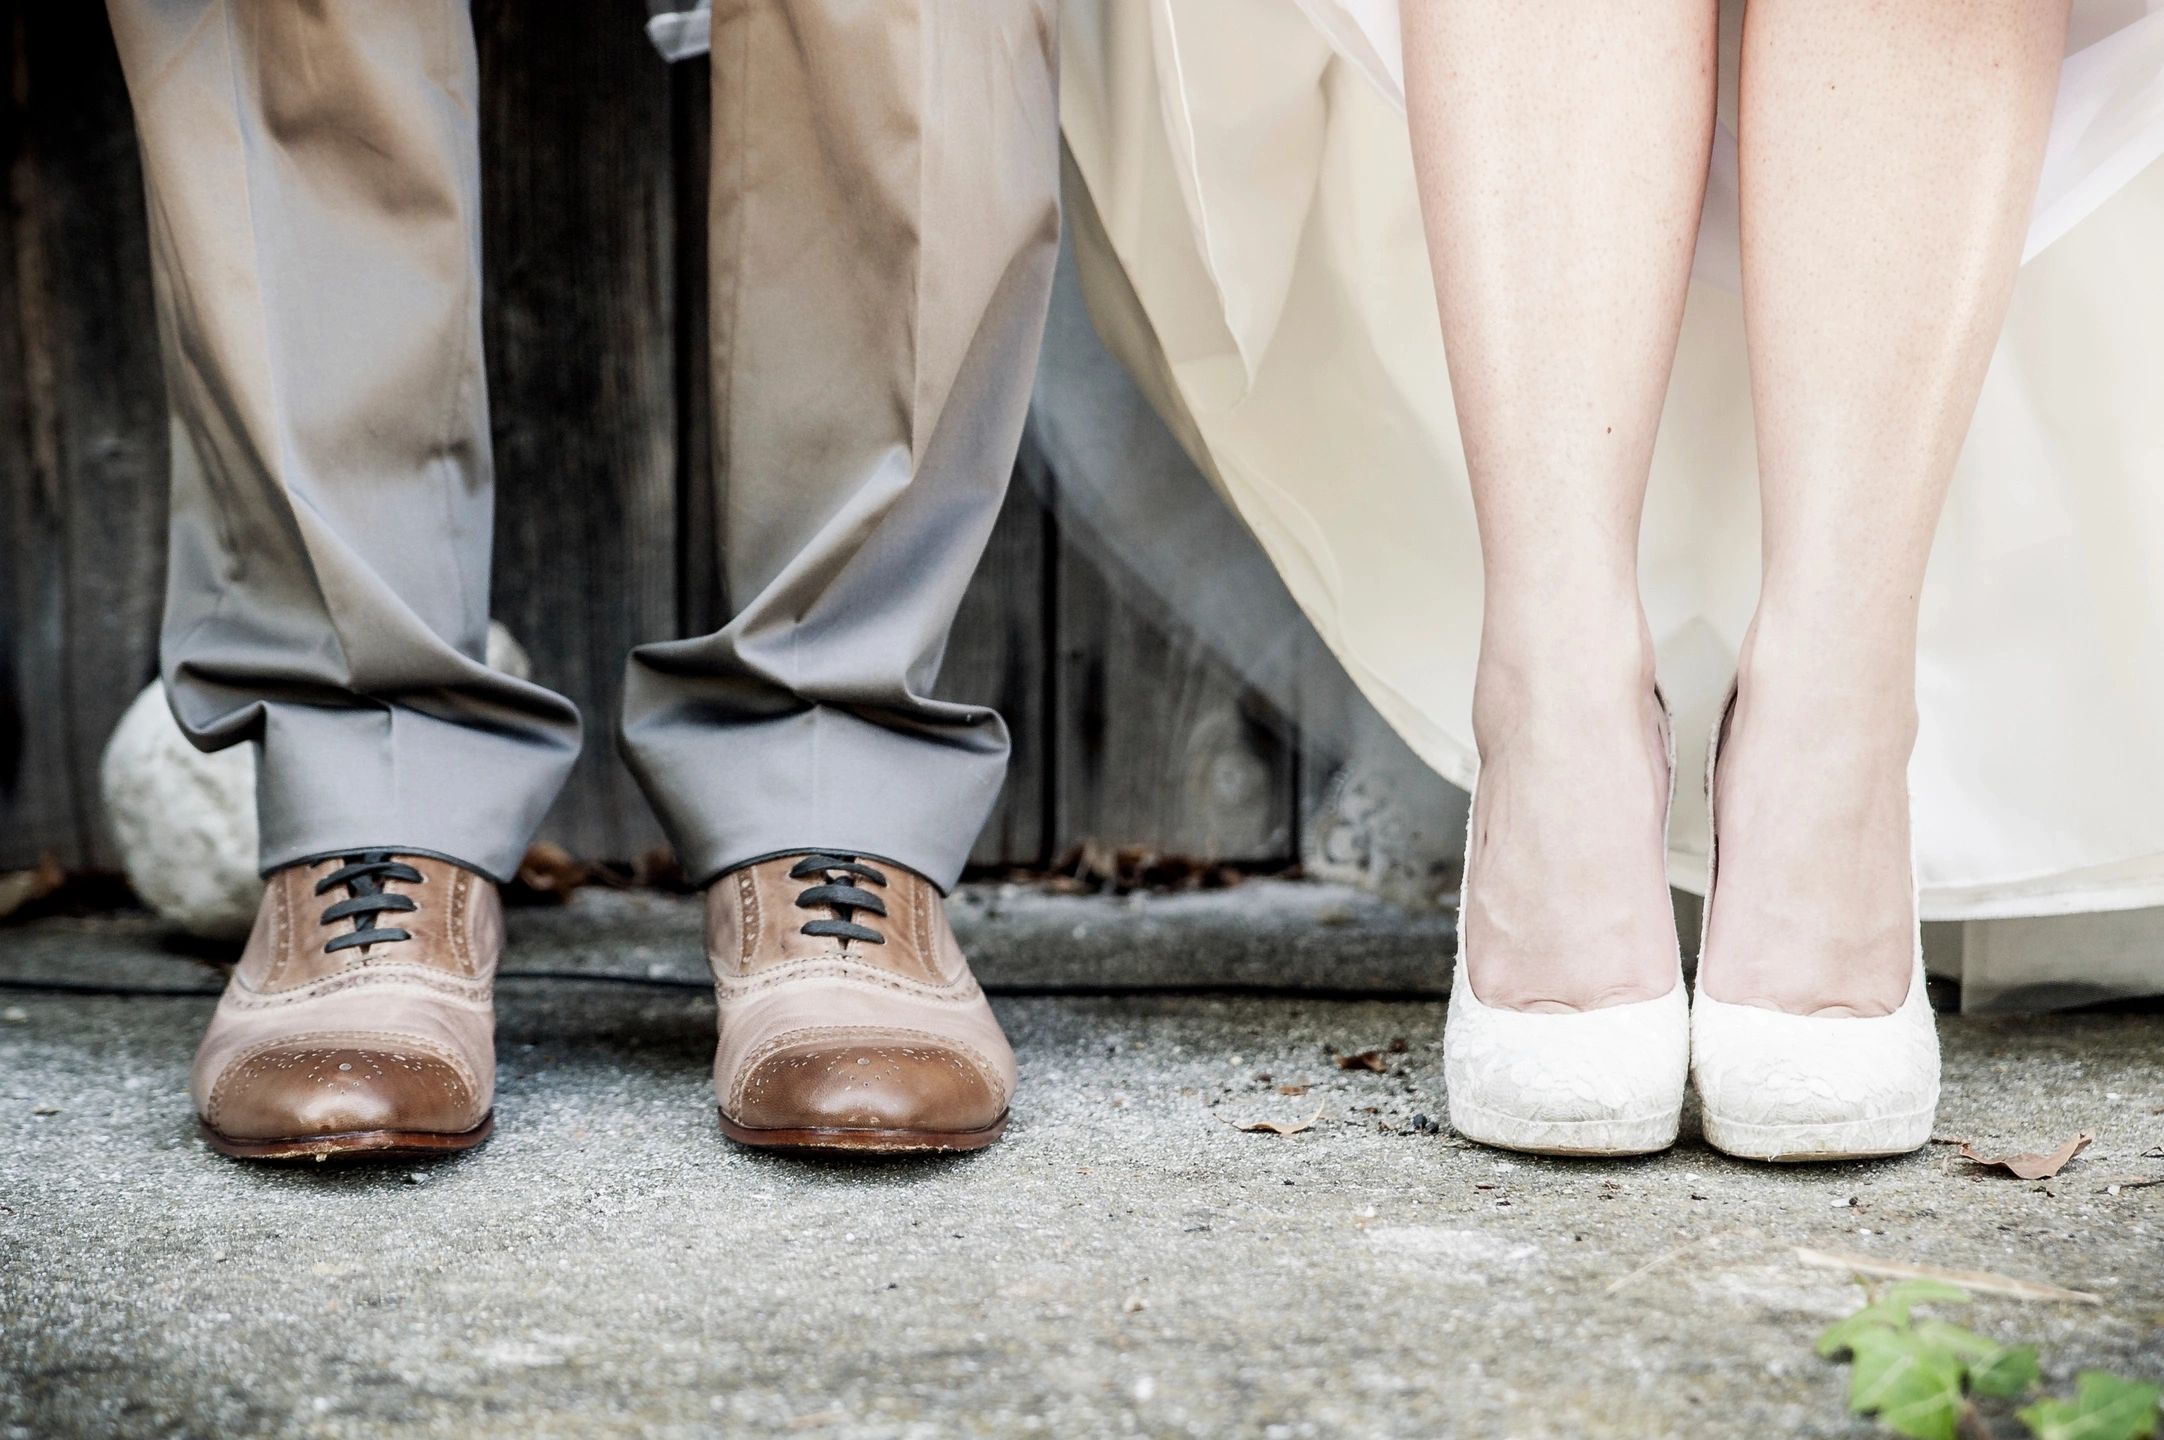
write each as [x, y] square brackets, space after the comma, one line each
[1249, 165]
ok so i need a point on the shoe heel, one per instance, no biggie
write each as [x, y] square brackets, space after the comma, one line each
[1589, 1082]
[1792, 1088]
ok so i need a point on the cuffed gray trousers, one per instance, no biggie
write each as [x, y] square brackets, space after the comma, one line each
[884, 222]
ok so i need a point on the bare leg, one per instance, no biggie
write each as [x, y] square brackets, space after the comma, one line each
[1562, 158]
[1890, 155]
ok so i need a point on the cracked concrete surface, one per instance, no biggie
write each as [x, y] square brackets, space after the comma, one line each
[1125, 1262]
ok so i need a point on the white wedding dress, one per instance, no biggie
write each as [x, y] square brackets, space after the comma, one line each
[1255, 241]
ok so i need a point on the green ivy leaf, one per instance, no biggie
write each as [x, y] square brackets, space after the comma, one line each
[1913, 1386]
[1993, 1369]
[1841, 1334]
[1889, 1311]
[2013, 1371]
[2104, 1407]
[1956, 1341]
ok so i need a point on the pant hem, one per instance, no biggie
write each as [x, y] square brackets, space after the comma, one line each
[821, 779]
[869, 857]
[332, 781]
[344, 851]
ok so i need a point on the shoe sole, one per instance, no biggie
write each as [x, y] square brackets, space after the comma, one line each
[1825, 1141]
[352, 1145]
[1643, 1135]
[838, 1141]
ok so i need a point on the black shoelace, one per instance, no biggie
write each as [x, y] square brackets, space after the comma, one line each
[363, 877]
[840, 896]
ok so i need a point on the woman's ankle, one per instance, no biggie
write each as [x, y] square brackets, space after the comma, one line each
[1571, 910]
[1538, 675]
[1844, 693]
[1813, 909]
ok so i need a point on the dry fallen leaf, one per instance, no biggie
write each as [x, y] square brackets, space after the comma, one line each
[1275, 1127]
[22, 887]
[551, 870]
[1123, 870]
[1365, 1060]
[658, 869]
[2040, 1166]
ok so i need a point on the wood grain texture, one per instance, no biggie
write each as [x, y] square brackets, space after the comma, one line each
[32, 808]
[86, 454]
[1372, 813]
[1155, 741]
[700, 591]
[997, 656]
[579, 237]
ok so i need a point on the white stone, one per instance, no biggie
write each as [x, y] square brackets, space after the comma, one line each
[506, 654]
[185, 821]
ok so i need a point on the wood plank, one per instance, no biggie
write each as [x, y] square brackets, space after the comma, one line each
[34, 803]
[1156, 743]
[701, 604]
[1372, 813]
[998, 655]
[88, 496]
[579, 237]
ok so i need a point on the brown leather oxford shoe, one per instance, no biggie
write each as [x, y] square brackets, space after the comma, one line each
[358, 1022]
[849, 1019]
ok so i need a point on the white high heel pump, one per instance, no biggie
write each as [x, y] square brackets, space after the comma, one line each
[1608, 1081]
[1776, 1086]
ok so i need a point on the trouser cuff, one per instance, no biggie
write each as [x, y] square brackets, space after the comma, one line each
[821, 779]
[335, 781]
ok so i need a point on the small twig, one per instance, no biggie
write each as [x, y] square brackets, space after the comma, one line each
[1983, 1282]
[1658, 1261]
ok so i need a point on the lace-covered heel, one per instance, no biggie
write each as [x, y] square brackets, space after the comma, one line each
[1587, 1082]
[1608, 1081]
[1776, 1086]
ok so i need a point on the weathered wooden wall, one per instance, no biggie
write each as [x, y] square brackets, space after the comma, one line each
[595, 165]
[82, 459]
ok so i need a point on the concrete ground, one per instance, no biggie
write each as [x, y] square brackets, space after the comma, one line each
[1125, 1262]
